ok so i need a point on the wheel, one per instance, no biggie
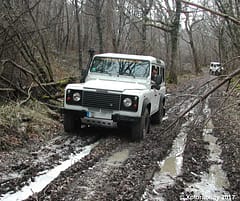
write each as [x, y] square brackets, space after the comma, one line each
[123, 126]
[157, 117]
[71, 123]
[141, 128]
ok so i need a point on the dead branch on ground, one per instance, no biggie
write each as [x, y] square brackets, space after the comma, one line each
[204, 96]
[29, 95]
[26, 71]
[14, 86]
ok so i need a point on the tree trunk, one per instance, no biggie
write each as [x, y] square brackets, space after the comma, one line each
[100, 32]
[98, 5]
[174, 44]
[68, 28]
[189, 29]
[78, 35]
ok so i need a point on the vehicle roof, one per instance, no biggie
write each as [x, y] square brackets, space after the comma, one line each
[215, 62]
[130, 56]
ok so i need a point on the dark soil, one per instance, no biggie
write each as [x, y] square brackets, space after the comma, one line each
[96, 177]
[227, 129]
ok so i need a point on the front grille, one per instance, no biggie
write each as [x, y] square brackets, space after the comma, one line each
[101, 100]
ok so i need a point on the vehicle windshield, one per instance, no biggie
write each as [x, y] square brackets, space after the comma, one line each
[117, 66]
[216, 64]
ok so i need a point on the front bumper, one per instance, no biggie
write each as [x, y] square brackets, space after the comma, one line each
[110, 122]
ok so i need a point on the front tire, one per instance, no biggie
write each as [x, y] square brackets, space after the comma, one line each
[141, 128]
[71, 123]
[157, 117]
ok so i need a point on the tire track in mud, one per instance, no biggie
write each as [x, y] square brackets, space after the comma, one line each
[213, 181]
[226, 131]
[65, 182]
[171, 167]
[23, 167]
[202, 177]
[101, 176]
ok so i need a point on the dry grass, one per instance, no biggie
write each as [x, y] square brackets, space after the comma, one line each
[20, 125]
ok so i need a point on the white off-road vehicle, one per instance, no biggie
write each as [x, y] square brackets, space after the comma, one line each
[119, 90]
[215, 68]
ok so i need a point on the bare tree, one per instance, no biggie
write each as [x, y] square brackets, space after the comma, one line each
[79, 37]
[174, 43]
[226, 24]
[189, 26]
[67, 36]
[231, 8]
[145, 7]
[22, 32]
[97, 7]
[119, 24]
[170, 22]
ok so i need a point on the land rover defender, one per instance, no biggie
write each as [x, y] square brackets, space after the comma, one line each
[215, 68]
[119, 90]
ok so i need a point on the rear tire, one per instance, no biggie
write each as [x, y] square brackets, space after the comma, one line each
[141, 128]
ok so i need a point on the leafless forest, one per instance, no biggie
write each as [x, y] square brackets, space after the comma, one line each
[44, 40]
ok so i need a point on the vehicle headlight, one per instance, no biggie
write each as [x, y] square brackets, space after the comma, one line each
[127, 102]
[76, 96]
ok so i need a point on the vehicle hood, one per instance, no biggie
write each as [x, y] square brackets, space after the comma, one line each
[113, 85]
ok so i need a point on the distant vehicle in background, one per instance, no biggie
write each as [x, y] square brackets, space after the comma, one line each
[216, 68]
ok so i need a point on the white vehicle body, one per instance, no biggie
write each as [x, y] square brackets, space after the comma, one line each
[117, 91]
[215, 68]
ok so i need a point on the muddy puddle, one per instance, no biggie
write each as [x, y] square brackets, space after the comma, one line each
[213, 184]
[170, 167]
[44, 178]
[118, 158]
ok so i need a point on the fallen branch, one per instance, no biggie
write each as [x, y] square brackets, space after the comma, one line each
[29, 95]
[26, 71]
[203, 97]
[7, 89]
[14, 86]
[229, 94]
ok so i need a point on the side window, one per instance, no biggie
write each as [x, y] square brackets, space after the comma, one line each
[154, 72]
[162, 71]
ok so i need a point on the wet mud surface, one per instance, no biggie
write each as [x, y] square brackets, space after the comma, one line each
[167, 165]
[228, 134]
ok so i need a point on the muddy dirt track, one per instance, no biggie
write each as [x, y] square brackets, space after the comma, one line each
[196, 159]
